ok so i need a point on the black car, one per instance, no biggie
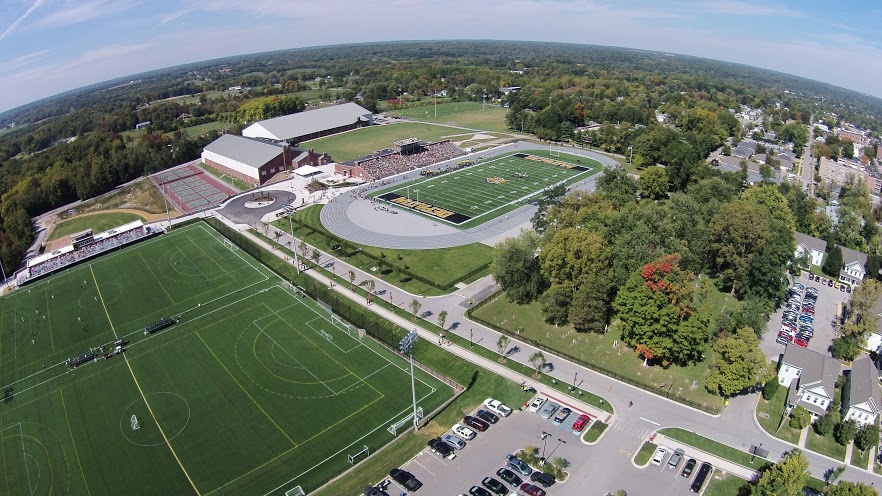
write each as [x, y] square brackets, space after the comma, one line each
[440, 447]
[406, 479]
[495, 486]
[544, 479]
[700, 478]
[513, 478]
[479, 491]
[486, 416]
[374, 491]
[688, 468]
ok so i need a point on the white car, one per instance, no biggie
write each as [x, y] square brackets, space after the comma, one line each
[497, 407]
[659, 455]
[463, 432]
[536, 405]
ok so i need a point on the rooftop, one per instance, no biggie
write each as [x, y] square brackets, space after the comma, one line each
[312, 121]
[811, 242]
[864, 382]
[816, 368]
[249, 151]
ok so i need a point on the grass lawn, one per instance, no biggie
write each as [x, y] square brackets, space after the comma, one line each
[200, 129]
[724, 485]
[465, 114]
[360, 142]
[825, 445]
[443, 265]
[646, 450]
[236, 183]
[860, 459]
[593, 434]
[140, 195]
[768, 413]
[246, 358]
[714, 447]
[599, 350]
[98, 222]
[877, 467]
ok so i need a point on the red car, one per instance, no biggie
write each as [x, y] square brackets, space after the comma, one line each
[531, 490]
[786, 335]
[800, 342]
[475, 423]
[808, 310]
[580, 423]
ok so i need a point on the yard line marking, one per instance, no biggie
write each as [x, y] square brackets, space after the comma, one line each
[151, 273]
[72, 441]
[296, 360]
[25, 456]
[650, 421]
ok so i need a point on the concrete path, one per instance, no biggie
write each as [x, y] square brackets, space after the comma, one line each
[803, 435]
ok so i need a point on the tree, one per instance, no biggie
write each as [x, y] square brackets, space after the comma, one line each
[538, 361]
[502, 344]
[589, 310]
[555, 304]
[351, 275]
[848, 488]
[415, 306]
[303, 248]
[316, 256]
[833, 263]
[775, 203]
[515, 267]
[848, 149]
[827, 422]
[800, 418]
[653, 183]
[845, 348]
[617, 186]
[738, 231]
[442, 319]
[845, 432]
[575, 253]
[766, 172]
[738, 363]
[770, 388]
[861, 321]
[785, 478]
[867, 436]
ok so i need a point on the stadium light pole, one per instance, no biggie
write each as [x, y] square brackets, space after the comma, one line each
[406, 347]
[165, 199]
[293, 248]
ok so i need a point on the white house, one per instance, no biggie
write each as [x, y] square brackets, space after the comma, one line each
[811, 246]
[853, 266]
[860, 397]
[810, 377]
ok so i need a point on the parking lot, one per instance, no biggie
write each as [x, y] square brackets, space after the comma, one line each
[485, 454]
[825, 315]
[665, 480]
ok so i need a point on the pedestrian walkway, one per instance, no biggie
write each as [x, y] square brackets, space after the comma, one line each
[803, 435]
[703, 456]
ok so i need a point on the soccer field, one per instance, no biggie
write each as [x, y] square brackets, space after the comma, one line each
[254, 391]
[482, 191]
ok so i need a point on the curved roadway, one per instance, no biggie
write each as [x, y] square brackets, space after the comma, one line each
[334, 215]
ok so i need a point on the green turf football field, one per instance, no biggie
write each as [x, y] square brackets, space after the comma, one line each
[481, 191]
[254, 391]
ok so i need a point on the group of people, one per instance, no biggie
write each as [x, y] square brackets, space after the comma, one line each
[394, 163]
[62, 260]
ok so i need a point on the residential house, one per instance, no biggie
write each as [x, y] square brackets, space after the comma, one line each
[854, 265]
[742, 151]
[810, 377]
[812, 247]
[860, 397]
[874, 340]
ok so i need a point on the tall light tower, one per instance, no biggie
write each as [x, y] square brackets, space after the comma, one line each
[406, 348]
[483, 99]
[293, 248]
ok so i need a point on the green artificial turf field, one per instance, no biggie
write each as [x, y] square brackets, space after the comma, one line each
[254, 391]
[482, 191]
[465, 114]
[360, 142]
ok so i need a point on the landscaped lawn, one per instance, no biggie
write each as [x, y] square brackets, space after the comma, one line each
[604, 351]
[726, 485]
[235, 183]
[465, 114]
[713, 447]
[825, 445]
[96, 222]
[645, 453]
[768, 413]
[597, 428]
[360, 142]
[860, 459]
[200, 129]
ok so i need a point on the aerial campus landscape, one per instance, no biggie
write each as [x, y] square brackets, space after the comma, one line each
[447, 267]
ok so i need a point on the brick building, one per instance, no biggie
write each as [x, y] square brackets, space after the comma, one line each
[256, 161]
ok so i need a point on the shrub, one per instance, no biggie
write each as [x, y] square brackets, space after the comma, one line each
[845, 348]
[771, 388]
[845, 432]
[824, 425]
[800, 418]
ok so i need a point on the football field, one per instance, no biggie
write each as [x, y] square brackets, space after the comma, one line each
[483, 191]
[255, 389]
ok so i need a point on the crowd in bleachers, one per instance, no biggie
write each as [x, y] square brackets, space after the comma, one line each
[394, 163]
[87, 251]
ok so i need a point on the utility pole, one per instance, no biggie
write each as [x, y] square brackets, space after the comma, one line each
[406, 348]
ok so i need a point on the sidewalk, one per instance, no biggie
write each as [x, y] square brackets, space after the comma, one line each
[701, 456]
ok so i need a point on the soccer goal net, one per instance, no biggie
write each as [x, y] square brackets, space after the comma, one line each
[135, 423]
[229, 244]
[352, 458]
[393, 429]
[297, 491]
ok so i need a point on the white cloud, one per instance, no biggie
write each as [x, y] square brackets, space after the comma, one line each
[742, 8]
[36, 5]
[174, 16]
[14, 63]
[107, 52]
[79, 11]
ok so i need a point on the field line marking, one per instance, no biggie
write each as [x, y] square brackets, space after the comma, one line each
[296, 360]
[138, 385]
[3, 451]
[49, 321]
[73, 442]
[362, 379]
[154, 278]
[245, 390]
[24, 455]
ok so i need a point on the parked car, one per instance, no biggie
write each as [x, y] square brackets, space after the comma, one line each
[562, 415]
[479, 491]
[830, 282]
[406, 479]
[782, 340]
[660, 453]
[440, 447]
[497, 407]
[549, 409]
[812, 290]
[494, 486]
[509, 476]
[800, 342]
[536, 405]
[490, 418]
[581, 422]
[518, 466]
[542, 478]
[374, 491]
[531, 490]
[848, 289]
[688, 468]
[463, 432]
[453, 441]
[798, 286]
[475, 423]
[700, 478]
[808, 310]
[675, 459]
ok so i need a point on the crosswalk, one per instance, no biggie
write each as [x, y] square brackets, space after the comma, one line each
[633, 427]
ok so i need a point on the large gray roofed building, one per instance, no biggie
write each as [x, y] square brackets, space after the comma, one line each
[861, 399]
[311, 124]
[248, 151]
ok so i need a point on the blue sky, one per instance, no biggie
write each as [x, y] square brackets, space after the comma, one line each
[50, 46]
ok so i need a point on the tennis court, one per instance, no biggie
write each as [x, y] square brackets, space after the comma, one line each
[189, 188]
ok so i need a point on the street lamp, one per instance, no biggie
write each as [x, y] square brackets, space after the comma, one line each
[293, 249]
[406, 348]
[559, 442]
[544, 442]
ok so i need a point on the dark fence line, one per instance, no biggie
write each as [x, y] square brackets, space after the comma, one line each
[588, 365]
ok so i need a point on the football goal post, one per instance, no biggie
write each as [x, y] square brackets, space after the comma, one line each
[229, 244]
[297, 491]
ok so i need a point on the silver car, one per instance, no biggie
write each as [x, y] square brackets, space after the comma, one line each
[549, 409]
[453, 441]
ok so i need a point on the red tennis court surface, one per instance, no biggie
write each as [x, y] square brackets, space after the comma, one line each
[189, 188]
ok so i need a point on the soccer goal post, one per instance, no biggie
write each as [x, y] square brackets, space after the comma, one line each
[296, 491]
[352, 458]
[135, 423]
[229, 244]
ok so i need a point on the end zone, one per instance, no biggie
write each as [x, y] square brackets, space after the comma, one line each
[425, 208]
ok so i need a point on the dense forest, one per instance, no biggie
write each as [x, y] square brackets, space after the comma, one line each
[74, 146]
